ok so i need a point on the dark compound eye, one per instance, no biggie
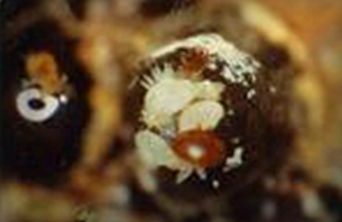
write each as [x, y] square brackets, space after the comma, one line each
[45, 105]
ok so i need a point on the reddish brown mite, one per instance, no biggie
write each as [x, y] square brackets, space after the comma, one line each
[194, 61]
[202, 148]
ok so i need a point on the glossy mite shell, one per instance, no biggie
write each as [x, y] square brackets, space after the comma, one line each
[201, 148]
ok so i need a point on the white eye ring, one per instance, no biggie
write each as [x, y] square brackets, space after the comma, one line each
[50, 105]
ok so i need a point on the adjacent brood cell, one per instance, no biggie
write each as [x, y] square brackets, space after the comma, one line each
[45, 105]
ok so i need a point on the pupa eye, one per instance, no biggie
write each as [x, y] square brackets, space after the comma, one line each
[35, 106]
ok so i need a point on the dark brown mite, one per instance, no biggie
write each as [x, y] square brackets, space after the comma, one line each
[194, 61]
[243, 105]
[45, 105]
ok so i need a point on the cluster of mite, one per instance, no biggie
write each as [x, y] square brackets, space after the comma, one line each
[205, 114]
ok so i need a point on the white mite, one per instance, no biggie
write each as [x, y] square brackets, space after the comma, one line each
[203, 115]
[165, 99]
[154, 151]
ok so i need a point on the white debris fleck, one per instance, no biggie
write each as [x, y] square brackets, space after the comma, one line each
[234, 161]
[235, 140]
[228, 75]
[216, 184]
[231, 112]
[226, 169]
[273, 89]
[63, 98]
[268, 210]
[251, 93]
